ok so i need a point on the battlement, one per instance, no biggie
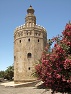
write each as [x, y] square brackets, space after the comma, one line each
[20, 27]
[24, 27]
[40, 27]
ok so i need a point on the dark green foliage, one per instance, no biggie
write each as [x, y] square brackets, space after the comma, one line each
[1, 74]
[8, 73]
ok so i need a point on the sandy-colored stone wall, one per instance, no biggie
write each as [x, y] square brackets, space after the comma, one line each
[29, 42]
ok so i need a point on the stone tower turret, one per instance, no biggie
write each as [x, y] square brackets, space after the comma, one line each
[30, 18]
[29, 42]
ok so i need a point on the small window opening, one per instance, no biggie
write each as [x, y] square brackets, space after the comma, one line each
[27, 33]
[29, 39]
[29, 68]
[14, 57]
[29, 55]
[20, 41]
[36, 34]
[38, 40]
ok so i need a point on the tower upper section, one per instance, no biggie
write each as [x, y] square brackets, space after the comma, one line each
[30, 28]
[30, 17]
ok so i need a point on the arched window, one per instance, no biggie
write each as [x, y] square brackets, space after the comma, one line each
[27, 33]
[29, 55]
[29, 68]
[29, 39]
[38, 40]
[20, 41]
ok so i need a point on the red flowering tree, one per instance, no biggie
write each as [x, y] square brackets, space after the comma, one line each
[54, 68]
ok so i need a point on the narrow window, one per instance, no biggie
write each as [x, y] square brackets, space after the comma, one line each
[20, 41]
[27, 33]
[14, 57]
[38, 40]
[29, 68]
[29, 55]
[29, 39]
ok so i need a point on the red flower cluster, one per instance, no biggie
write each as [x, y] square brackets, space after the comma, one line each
[55, 66]
[67, 35]
[67, 63]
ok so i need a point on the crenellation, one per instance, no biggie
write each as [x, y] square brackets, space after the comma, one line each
[41, 28]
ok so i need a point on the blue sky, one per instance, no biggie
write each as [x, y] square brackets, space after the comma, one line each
[51, 14]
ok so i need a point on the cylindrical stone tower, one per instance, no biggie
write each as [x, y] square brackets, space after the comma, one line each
[29, 42]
